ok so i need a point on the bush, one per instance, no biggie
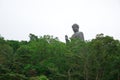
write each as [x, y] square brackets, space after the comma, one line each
[42, 77]
[12, 76]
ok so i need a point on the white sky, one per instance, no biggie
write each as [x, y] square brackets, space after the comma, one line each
[18, 18]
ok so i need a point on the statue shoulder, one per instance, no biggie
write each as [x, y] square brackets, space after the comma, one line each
[76, 35]
[79, 35]
[80, 32]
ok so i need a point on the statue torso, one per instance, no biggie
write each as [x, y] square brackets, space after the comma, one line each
[78, 35]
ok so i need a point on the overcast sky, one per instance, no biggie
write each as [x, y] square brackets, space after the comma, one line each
[18, 18]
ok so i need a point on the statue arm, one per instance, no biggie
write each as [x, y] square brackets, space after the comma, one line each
[82, 35]
[66, 39]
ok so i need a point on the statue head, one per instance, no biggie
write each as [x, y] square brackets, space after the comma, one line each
[75, 27]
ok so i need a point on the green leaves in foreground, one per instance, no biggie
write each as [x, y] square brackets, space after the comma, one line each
[47, 58]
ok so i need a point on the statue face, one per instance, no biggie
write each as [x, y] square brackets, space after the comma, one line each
[75, 28]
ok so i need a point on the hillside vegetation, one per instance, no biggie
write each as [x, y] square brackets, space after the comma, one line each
[47, 58]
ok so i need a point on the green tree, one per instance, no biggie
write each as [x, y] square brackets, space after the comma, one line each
[14, 44]
[33, 37]
[105, 51]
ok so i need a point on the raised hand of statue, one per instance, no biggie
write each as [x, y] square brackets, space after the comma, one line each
[66, 38]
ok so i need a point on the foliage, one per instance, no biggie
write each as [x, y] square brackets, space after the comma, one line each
[42, 77]
[47, 58]
[12, 76]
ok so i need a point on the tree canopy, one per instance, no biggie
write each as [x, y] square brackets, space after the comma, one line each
[47, 58]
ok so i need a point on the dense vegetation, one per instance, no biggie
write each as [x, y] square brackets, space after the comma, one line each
[47, 58]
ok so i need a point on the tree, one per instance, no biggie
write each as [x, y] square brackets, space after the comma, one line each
[106, 50]
[14, 44]
[33, 37]
[6, 53]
